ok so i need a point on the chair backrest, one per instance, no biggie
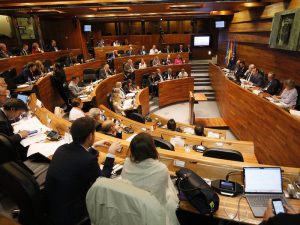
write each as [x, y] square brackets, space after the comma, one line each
[221, 153]
[136, 117]
[8, 151]
[89, 71]
[121, 52]
[47, 64]
[79, 57]
[298, 98]
[109, 101]
[118, 202]
[161, 143]
[89, 75]
[24, 190]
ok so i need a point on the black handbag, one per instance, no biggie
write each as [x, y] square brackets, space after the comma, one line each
[197, 191]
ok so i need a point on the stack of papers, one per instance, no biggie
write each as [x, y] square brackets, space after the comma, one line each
[211, 134]
[295, 112]
[30, 124]
[188, 130]
[39, 137]
[46, 149]
[177, 141]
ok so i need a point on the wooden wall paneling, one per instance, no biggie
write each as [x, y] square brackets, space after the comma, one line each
[251, 27]
[179, 89]
[256, 38]
[264, 12]
[20, 61]
[272, 129]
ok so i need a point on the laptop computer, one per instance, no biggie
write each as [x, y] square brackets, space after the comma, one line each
[262, 184]
[24, 98]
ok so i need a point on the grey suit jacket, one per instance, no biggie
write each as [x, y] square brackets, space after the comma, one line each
[74, 89]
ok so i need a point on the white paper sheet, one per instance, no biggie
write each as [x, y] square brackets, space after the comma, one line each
[295, 112]
[30, 125]
[46, 149]
[33, 139]
[211, 134]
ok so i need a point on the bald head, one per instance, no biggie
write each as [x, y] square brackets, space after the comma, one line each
[108, 126]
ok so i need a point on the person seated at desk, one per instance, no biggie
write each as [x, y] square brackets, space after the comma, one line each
[153, 50]
[273, 84]
[257, 78]
[248, 74]
[160, 77]
[145, 171]
[199, 130]
[35, 48]
[101, 43]
[182, 73]
[130, 52]
[24, 50]
[116, 43]
[171, 125]
[289, 94]
[189, 50]
[59, 79]
[105, 72]
[39, 69]
[111, 129]
[232, 63]
[129, 87]
[76, 111]
[288, 218]
[3, 51]
[241, 69]
[143, 50]
[156, 61]
[153, 84]
[129, 70]
[142, 64]
[74, 89]
[178, 60]
[168, 75]
[11, 110]
[120, 105]
[27, 75]
[167, 49]
[180, 49]
[53, 46]
[73, 169]
[122, 91]
[3, 95]
[168, 60]
[96, 114]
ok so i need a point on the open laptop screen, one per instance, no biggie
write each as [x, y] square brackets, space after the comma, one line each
[262, 180]
[24, 98]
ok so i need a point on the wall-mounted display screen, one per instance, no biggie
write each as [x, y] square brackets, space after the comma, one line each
[220, 24]
[5, 31]
[87, 28]
[203, 40]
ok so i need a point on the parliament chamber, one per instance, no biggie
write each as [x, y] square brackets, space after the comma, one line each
[130, 91]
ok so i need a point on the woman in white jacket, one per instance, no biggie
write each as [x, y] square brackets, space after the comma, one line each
[146, 172]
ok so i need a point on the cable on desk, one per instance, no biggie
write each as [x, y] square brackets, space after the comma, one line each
[237, 211]
[233, 173]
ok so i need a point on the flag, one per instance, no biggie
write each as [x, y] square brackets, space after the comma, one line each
[227, 54]
[234, 49]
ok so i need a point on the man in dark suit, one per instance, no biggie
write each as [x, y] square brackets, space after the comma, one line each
[180, 49]
[167, 49]
[257, 78]
[143, 50]
[3, 51]
[241, 69]
[105, 72]
[153, 84]
[24, 50]
[27, 74]
[168, 75]
[12, 110]
[273, 84]
[129, 70]
[130, 51]
[72, 171]
[111, 129]
[53, 47]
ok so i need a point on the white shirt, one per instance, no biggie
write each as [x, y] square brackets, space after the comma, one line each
[75, 113]
[153, 51]
[142, 66]
[182, 75]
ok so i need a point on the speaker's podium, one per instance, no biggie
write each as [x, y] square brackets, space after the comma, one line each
[194, 97]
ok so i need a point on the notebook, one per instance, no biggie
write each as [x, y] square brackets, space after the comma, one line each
[262, 184]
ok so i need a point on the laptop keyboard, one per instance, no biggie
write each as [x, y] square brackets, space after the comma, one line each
[261, 200]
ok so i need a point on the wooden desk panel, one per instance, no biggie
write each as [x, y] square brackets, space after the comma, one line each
[100, 52]
[20, 61]
[118, 62]
[106, 87]
[143, 101]
[273, 130]
[139, 73]
[77, 70]
[172, 91]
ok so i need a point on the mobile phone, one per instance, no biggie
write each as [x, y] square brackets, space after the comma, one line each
[277, 206]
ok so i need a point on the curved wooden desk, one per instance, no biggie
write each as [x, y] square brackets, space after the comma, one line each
[173, 91]
[18, 62]
[118, 62]
[273, 130]
[204, 166]
[139, 73]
